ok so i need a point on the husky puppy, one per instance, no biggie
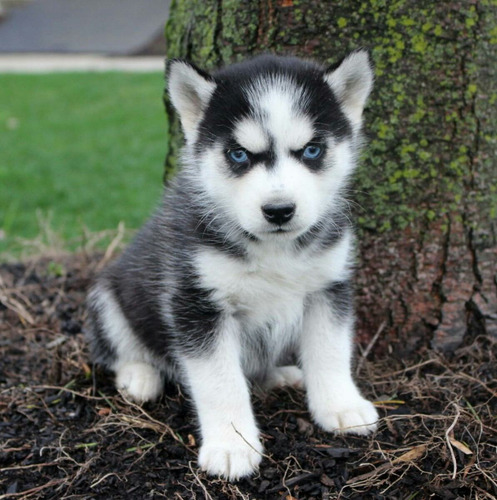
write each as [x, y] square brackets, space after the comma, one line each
[249, 258]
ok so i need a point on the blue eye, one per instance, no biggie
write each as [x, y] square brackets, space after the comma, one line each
[312, 152]
[238, 155]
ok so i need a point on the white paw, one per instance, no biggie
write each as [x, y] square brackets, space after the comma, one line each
[359, 417]
[140, 381]
[231, 460]
[282, 376]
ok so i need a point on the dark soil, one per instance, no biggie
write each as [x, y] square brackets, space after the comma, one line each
[66, 433]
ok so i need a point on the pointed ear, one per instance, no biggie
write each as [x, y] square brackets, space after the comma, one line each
[352, 81]
[190, 90]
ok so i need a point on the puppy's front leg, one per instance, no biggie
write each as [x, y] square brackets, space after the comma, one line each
[230, 438]
[334, 400]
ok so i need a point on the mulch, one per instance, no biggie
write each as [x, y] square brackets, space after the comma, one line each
[65, 432]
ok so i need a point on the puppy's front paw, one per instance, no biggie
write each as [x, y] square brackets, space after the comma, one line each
[358, 417]
[140, 381]
[230, 460]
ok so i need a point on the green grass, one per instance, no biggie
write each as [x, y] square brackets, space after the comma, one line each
[87, 148]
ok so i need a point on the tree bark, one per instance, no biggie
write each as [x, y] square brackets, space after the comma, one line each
[426, 188]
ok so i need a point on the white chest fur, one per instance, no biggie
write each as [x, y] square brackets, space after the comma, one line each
[271, 284]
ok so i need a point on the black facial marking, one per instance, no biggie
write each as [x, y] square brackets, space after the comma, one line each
[251, 237]
[209, 234]
[313, 164]
[267, 158]
[238, 169]
[328, 231]
[230, 102]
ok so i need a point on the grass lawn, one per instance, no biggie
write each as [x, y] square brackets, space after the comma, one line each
[86, 148]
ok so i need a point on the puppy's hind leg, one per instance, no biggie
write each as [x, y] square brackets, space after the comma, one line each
[115, 345]
[140, 381]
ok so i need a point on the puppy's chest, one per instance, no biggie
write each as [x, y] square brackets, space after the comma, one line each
[265, 289]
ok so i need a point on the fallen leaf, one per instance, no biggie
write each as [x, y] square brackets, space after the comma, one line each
[412, 455]
[460, 446]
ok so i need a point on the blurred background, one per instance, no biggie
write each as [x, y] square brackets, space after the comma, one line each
[82, 124]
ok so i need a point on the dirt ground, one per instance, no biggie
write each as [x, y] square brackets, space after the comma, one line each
[66, 433]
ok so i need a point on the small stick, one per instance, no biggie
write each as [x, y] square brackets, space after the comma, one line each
[447, 433]
[199, 481]
[370, 346]
[113, 245]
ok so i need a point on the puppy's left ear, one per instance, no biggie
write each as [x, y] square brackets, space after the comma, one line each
[351, 82]
[190, 90]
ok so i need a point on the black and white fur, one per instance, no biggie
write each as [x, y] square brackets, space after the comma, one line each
[247, 263]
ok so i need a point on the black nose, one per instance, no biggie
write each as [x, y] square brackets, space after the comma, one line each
[278, 213]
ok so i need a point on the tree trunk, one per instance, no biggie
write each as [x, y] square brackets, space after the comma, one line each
[426, 190]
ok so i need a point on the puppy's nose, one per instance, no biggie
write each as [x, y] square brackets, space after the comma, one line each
[278, 213]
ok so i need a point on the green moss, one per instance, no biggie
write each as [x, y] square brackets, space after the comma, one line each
[419, 43]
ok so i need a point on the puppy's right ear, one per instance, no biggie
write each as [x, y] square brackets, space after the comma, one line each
[190, 90]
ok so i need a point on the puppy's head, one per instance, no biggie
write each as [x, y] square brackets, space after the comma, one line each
[272, 140]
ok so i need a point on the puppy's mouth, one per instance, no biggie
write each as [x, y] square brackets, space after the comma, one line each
[283, 231]
[289, 231]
